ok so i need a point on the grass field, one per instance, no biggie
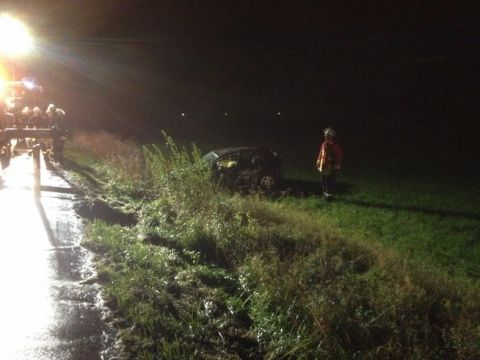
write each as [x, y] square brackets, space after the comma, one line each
[387, 270]
[428, 220]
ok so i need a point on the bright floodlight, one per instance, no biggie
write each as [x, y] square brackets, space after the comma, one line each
[15, 39]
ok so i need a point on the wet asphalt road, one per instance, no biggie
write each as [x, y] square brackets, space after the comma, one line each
[46, 311]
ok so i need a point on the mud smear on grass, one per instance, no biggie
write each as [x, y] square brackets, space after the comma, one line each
[98, 209]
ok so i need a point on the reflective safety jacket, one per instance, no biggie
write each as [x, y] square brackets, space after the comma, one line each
[329, 157]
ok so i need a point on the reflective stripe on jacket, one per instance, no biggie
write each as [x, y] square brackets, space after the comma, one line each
[330, 156]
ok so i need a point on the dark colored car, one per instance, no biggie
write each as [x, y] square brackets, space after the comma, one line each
[246, 167]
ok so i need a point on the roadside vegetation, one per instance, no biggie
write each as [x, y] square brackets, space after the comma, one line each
[206, 274]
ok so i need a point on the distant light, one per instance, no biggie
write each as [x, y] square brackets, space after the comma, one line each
[226, 114]
[279, 113]
[29, 84]
[183, 114]
[15, 38]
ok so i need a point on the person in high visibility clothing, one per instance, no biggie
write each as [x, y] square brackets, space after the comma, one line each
[329, 162]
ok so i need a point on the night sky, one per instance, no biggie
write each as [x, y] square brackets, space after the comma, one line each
[377, 71]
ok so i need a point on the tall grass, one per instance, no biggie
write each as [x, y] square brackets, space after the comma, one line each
[204, 271]
[180, 177]
[120, 162]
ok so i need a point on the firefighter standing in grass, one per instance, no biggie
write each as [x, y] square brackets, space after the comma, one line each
[329, 161]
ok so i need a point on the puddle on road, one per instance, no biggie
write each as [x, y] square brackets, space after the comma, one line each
[46, 312]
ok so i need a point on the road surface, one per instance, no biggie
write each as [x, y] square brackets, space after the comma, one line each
[46, 311]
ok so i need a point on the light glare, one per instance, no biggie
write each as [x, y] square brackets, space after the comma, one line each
[30, 85]
[15, 39]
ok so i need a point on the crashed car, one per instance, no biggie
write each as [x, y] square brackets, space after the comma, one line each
[252, 168]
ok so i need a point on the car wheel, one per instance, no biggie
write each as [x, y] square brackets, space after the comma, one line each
[267, 182]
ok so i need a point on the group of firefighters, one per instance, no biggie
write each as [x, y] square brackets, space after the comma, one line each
[33, 118]
[52, 119]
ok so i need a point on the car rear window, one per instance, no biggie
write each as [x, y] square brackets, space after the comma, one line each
[210, 157]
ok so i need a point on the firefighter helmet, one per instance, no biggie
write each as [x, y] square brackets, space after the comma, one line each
[329, 132]
[51, 108]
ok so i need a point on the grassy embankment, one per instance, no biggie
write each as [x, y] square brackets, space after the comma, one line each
[205, 274]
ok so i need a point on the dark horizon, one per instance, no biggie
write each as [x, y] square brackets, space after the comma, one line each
[404, 72]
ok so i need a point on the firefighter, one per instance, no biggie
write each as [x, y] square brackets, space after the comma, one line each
[60, 118]
[37, 120]
[329, 161]
[59, 133]
[51, 115]
[24, 117]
